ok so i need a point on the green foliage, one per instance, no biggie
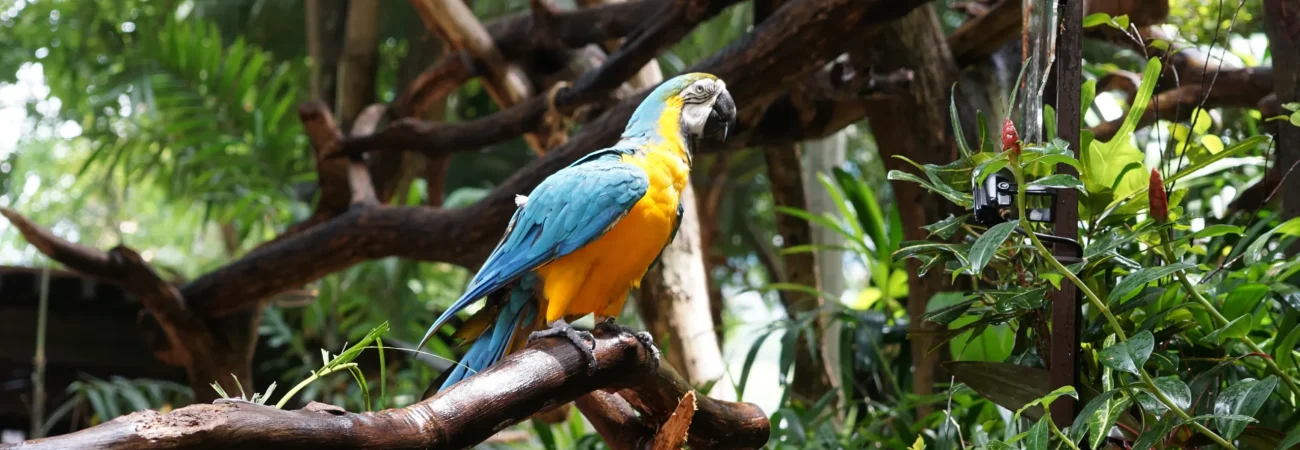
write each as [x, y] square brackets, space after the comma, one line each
[117, 396]
[1159, 301]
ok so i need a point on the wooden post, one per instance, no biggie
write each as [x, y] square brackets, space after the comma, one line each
[1063, 367]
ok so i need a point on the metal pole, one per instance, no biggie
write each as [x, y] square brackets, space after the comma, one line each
[1063, 366]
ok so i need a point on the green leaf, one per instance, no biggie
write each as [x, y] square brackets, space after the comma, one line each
[947, 314]
[1286, 349]
[1119, 22]
[956, 122]
[1060, 181]
[918, 445]
[960, 198]
[945, 228]
[1086, 96]
[1039, 435]
[1255, 251]
[1244, 144]
[1140, 278]
[1107, 174]
[1243, 399]
[992, 166]
[987, 245]
[868, 212]
[1150, 437]
[1201, 121]
[1046, 400]
[1095, 19]
[1212, 143]
[1235, 329]
[1217, 230]
[1173, 388]
[1128, 356]
[1243, 299]
[986, 144]
[1292, 439]
[1097, 417]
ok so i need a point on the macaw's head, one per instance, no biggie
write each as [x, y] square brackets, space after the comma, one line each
[695, 105]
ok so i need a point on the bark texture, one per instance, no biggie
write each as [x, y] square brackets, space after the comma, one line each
[548, 373]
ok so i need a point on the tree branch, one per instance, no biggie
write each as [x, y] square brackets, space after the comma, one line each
[359, 182]
[615, 420]
[187, 337]
[548, 373]
[506, 83]
[782, 50]
[436, 82]
[670, 23]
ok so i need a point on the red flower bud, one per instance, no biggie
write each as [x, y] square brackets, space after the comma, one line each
[1010, 138]
[1159, 200]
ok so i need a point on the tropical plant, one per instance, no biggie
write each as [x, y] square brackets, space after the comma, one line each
[1181, 346]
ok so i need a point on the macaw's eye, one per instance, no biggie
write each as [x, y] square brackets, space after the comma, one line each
[698, 89]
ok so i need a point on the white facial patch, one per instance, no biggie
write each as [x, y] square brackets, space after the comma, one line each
[694, 115]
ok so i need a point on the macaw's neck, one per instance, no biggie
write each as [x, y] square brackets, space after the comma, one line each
[657, 126]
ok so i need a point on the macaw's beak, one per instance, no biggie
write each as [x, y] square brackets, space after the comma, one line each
[723, 117]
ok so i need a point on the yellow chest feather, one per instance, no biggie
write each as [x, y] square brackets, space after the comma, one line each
[596, 278]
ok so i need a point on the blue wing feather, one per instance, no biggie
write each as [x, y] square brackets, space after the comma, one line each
[568, 210]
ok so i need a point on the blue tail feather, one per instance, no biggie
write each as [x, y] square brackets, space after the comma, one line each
[491, 346]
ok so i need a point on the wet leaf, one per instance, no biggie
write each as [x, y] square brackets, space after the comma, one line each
[1140, 278]
[987, 245]
[1241, 399]
[1128, 356]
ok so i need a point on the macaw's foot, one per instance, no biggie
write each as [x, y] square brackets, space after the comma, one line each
[585, 342]
[647, 341]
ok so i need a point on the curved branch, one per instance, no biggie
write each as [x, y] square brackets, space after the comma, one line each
[668, 24]
[187, 337]
[781, 51]
[548, 373]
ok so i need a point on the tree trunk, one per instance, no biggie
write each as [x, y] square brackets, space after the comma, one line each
[918, 127]
[325, 25]
[811, 380]
[1284, 43]
[674, 302]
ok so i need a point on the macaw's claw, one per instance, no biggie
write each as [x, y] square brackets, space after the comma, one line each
[584, 341]
[647, 341]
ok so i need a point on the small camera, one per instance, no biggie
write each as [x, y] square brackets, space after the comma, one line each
[995, 200]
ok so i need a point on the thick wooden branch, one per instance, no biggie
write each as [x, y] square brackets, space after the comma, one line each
[359, 179]
[519, 35]
[781, 51]
[548, 373]
[187, 336]
[669, 23]
[506, 83]
[1232, 88]
[615, 420]
[435, 83]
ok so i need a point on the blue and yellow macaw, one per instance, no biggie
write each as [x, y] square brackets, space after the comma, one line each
[587, 234]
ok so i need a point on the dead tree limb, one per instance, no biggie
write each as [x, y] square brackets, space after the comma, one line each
[548, 373]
